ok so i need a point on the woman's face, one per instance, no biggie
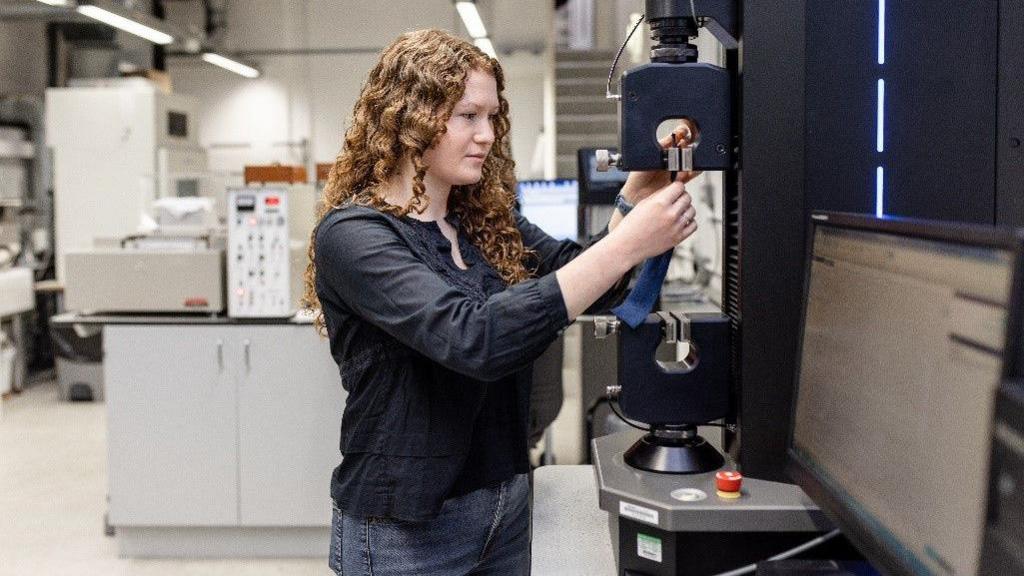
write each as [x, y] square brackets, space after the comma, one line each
[457, 159]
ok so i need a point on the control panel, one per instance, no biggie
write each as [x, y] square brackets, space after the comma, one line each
[258, 255]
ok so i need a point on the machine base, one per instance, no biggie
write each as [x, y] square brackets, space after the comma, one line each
[671, 456]
[645, 550]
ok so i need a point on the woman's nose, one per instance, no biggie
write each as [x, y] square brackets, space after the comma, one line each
[485, 135]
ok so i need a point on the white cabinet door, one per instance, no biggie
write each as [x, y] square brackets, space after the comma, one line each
[290, 405]
[171, 426]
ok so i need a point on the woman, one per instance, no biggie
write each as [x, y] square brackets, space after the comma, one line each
[437, 296]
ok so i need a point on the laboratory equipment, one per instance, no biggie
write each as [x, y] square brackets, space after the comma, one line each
[16, 299]
[157, 272]
[598, 186]
[597, 191]
[259, 262]
[303, 202]
[675, 86]
[118, 145]
[672, 397]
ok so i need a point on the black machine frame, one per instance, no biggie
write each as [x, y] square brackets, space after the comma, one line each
[767, 201]
[878, 551]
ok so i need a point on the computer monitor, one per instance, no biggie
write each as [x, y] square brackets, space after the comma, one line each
[904, 334]
[550, 205]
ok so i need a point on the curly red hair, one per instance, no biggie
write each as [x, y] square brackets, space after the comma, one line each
[402, 111]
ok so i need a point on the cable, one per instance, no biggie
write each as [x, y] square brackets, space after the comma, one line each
[784, 555]
[612, 403]
[608, 88]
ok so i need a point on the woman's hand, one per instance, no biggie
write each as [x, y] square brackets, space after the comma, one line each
[654, 226]
[657, 224]
[640, 185]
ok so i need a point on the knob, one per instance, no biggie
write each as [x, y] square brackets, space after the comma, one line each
[606, 159]
[728, 483]
[613, 391]
[605, 326]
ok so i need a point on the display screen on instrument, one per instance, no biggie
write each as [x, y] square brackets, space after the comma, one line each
[245, 203]
[177, 124]
[902, 350]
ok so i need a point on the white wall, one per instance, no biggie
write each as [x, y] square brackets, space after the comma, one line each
[297, 111]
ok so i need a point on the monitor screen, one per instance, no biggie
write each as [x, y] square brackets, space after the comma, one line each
[901, 355]
[550, 205]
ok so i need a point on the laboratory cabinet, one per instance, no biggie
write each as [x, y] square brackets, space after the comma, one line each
[220, 426]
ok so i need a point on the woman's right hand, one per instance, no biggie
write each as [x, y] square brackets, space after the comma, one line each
[654, 226]
[657, 224]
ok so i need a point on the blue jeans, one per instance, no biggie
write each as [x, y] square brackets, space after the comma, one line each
[483, 532]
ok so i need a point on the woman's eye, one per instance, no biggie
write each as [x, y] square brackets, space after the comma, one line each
[469, 116]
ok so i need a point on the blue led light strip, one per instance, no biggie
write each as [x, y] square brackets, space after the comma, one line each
[879, 192]
[881, 31]
[880, 124]
[880, 116]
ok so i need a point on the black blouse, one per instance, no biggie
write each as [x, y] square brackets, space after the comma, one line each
[436, 360]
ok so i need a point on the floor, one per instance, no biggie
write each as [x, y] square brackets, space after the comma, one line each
[52, 498]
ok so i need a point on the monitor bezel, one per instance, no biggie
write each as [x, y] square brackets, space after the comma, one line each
[881, 554]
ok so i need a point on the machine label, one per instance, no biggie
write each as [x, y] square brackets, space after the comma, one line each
[638, 513]
[648, 547]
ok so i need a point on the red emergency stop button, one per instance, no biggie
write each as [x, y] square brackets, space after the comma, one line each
[729, 483]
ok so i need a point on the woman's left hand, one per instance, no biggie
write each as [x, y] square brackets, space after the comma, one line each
[640, 185]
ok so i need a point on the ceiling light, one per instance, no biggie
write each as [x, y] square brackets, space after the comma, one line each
[485, 45]
[55, 2]
[471, 19]
[127, 24]
[232, 65]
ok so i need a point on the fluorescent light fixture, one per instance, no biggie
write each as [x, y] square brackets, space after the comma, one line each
[879, 192]
[55, 2]
[485, 45]
[232, 65]
[126, 24]
[471, 18]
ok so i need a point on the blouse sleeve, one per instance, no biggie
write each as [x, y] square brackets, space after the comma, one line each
[362, 262]
[552, 254]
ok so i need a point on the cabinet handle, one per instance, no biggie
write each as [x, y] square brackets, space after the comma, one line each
[246, 346]
[220, 354]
